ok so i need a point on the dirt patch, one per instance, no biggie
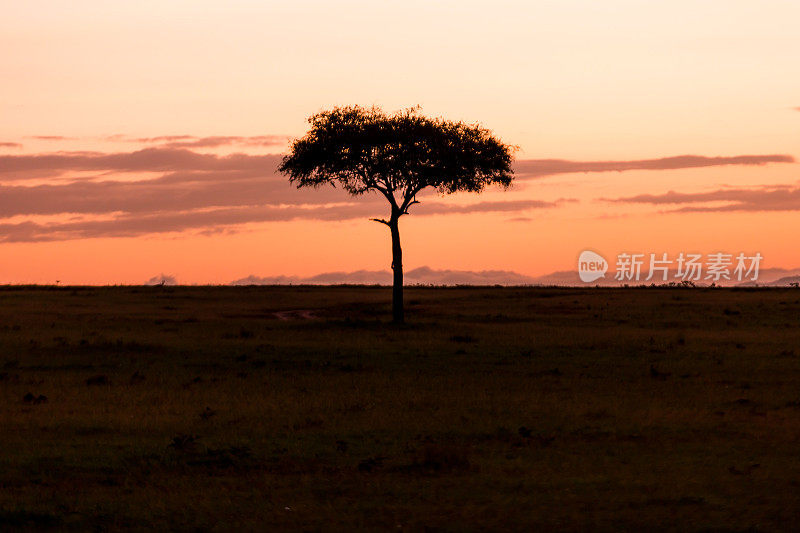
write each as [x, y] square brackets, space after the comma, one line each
[295, 314]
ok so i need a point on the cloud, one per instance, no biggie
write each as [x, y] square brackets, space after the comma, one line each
[159, 139]
[192, 191]
[219, 219]
[770, 198]
[537, 168]
[431, 208]
[132, 225]
[214, 141]
[165, 159]
[51, 138]
[419, 276]
[171, 192]
[170, 189]
[184, 141]
[10, 145]
[145, 160]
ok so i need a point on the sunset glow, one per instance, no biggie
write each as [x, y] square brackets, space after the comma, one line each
[143, 138]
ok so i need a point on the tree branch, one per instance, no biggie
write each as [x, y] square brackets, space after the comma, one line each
[372, 183]
[410, 199]
[406, 205]
[380, 220]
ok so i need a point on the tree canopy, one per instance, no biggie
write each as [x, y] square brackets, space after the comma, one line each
[364, 149]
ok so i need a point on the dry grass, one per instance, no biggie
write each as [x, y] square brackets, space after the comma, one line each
[187, 408]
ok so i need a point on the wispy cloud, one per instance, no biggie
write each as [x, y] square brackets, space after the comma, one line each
[214, 141]
[213, 220]
[190, 191]
[172, 159]
[145, 160]
[10, 145]
[770, 198]
[537, 168]
[183, 141]
[158, 159]
[51, 138]
[430, 208]
[171, 188]
[169, 192]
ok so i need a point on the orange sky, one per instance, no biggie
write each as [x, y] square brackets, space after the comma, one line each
[88, 85]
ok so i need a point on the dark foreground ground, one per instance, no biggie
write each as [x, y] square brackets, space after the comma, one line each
[604, 409]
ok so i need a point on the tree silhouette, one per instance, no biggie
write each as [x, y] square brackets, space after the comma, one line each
[397, 155]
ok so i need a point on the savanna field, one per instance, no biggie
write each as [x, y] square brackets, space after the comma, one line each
[263, 408]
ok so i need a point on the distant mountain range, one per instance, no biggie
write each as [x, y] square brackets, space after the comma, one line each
[417, 276]
[768, 277]
[785, 281]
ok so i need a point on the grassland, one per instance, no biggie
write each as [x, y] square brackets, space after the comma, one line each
[257, 408]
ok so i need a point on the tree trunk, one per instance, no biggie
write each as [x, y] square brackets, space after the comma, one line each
[397, 269]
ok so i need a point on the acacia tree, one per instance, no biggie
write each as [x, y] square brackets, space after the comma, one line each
[396, 155]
